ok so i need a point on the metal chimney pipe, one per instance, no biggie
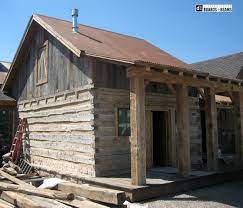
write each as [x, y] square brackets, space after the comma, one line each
[75, 20]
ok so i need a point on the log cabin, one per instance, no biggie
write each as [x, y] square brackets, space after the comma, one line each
[100, 103]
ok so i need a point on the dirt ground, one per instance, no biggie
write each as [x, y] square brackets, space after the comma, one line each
[223, 195]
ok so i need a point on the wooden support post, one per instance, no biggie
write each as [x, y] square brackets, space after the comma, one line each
[184, 159]
[138, 140]
[238, 125]
[211, 129]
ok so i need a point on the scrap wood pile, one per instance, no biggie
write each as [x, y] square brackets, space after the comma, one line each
[15, 192]
[14, 169]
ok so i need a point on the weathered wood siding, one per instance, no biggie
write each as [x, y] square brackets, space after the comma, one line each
[60, 132]
[65, 70]
[113, 152]
[195, 132]
[60, 135]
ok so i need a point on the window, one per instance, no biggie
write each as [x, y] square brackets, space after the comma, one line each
[124, 122]
[42, 64]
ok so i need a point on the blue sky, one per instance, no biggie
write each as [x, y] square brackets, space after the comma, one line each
[173, 26]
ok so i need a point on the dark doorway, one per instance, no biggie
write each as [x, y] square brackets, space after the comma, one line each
[160, 138]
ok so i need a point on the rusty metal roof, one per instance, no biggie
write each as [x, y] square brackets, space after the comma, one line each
[105, 44]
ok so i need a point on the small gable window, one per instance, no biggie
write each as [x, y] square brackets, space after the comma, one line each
[124, 122]
[42, 64]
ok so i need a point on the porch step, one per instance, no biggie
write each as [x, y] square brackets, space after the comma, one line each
[99, 194]
[156, 188]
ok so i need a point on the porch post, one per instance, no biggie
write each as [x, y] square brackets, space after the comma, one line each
[211, 129]
[184, 159]
[138, 140]
[238, 125]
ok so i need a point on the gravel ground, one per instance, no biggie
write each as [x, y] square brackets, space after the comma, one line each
[223, 195]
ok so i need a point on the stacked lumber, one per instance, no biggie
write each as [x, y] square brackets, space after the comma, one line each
[8, 166]
[15, 192]
[94, 193]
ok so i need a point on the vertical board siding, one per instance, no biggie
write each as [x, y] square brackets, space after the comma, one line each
[66, 71]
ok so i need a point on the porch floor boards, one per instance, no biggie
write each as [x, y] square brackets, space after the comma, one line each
[163, 181]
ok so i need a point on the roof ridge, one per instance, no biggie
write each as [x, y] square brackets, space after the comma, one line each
[219, 57]
[97, 28]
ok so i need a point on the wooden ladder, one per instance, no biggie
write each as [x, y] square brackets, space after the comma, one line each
[17, 141]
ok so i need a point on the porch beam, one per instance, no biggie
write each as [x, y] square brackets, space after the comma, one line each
[182, 78]
[237, 99]
[211, 129]
[138, 140]
[184, 159]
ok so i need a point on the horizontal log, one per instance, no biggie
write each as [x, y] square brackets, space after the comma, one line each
[64, 146]
[52, 194]
[106, 117]
[67, 127]
[104, 123]
[61, 137]
[30, 201]
[71, 109]
[80, 90]
[82, 204]
[94, 193]
[61, 166]
[115, 150]
[108, 91]
[84, 97]
[209, 81]
[113, 165]
[70, 156]
[71, 118]
[103, 132]
[5, 204]
[113, 172]
[14, 179]
[19, 200]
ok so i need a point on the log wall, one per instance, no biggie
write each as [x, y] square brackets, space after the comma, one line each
[113, 152]
[61, 132]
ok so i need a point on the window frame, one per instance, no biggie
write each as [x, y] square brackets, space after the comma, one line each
[45, 80]
[117, 121]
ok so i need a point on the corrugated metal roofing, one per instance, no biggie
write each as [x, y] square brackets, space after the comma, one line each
[106, 44]
[227, 66]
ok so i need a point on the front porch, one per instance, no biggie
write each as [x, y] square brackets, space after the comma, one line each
[178, 80]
